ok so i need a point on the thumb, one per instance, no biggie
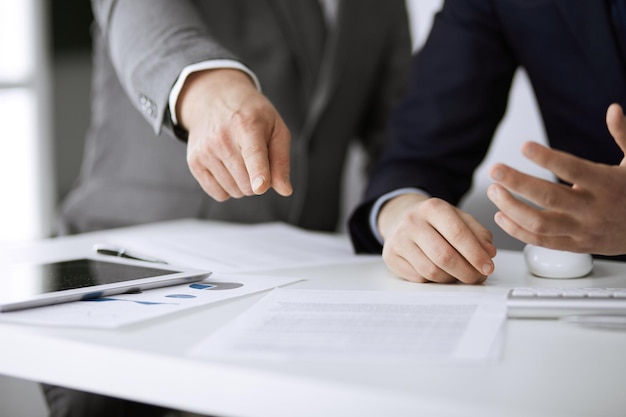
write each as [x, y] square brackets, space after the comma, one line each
[616, 122]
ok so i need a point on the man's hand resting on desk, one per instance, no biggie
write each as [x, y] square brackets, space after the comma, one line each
[238, 143]
[587, 217]
[429, 240]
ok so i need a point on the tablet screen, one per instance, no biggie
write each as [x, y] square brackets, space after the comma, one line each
[36, 279]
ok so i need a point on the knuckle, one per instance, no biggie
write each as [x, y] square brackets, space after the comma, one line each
[432, 205]
[446, 256]
[252, 150]
[430, 272]
[549, 199]
[247, 118]
[194, 164]
[410, 219]
[417, 279]
[214, 190]
[486, 235]
[455, 232]
[193, 158]
[219, 196]
[388, 254]
[220, 145]
[537, 226]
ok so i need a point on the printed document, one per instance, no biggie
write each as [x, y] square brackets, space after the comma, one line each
[227, 247]
[357, 325]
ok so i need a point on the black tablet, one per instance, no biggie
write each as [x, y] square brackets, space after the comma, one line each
[33, 285]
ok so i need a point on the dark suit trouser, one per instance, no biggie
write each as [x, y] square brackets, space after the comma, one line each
[65, 402]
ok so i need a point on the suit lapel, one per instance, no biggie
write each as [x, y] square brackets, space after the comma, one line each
[590, 23]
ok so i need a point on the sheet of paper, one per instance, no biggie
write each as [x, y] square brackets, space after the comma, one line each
[357, 325]
[124, 309]
[225, 247]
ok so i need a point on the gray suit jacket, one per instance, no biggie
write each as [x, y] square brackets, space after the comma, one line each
[134, 170]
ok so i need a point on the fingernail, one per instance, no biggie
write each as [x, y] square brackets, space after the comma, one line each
[487, 269]
[528, 149]
[497, 174]
[258, 183]
[492, 192]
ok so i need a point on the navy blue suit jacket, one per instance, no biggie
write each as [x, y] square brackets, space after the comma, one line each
[460, 84]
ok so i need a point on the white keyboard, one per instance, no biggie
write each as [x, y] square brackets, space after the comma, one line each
[551, 303]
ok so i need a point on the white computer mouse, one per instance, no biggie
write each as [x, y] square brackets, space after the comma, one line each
[550, 263]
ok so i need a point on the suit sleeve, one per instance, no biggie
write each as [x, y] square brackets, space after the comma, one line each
[442, 129]
[150, 42]
[391, 81]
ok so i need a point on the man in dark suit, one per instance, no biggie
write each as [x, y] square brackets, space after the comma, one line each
[235, 110]
[574, 52]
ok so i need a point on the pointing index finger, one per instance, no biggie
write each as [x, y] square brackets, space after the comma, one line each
[279, 158]
[255, 158]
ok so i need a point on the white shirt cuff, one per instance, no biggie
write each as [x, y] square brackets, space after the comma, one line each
[381, 201]
[201, 66]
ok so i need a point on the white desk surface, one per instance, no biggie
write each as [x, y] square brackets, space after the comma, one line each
[547, 368]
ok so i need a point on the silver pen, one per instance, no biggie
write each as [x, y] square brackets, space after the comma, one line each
[111, 250]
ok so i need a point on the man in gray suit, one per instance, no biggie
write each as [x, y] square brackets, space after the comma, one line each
[236, 110]
[291, 133]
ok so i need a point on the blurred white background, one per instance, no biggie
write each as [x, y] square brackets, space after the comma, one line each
[25, 163]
